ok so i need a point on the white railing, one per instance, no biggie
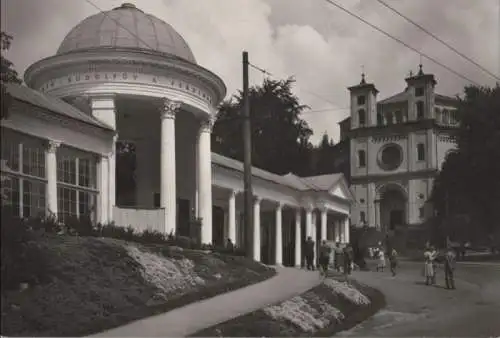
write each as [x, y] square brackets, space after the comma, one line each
[140, 219]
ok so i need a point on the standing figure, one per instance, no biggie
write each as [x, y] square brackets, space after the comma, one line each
[429, 266]
[434, 254]
[348, 259]
[309, 253]
[324, 258]
[449, 268]
[338, 257]
[393, 259]
[381, 260]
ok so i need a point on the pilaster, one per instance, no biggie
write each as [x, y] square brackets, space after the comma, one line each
[51, 165]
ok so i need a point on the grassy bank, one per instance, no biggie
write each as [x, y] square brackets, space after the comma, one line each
[94, 284]
[329, 308]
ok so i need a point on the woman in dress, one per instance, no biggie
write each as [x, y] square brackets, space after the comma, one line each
[381, 260]
[429, 273]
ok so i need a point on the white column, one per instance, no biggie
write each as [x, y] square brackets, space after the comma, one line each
[278, 247]
[112, 179]
[168, 187]
[256, 229]
[314, 234]
[205, 179]
[103, 190]
[337, 231]
[308, 222]
[298, 239]
[346, 229]
[232, 217]
[324, 220]
[51, 165]
[103, 109]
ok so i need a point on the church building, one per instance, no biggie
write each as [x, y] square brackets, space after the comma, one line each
[396, 148]
[125, 76]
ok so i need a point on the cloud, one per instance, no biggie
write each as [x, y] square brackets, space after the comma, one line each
[320, 45]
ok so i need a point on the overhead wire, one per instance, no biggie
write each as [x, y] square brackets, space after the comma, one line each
[380, 30]
[438, 39]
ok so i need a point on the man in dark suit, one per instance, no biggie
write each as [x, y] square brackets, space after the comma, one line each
[309, 253]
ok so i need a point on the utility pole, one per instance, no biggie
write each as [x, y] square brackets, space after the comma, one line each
[247, 162]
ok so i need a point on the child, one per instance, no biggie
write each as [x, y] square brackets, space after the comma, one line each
[393, 261]
[381, 261]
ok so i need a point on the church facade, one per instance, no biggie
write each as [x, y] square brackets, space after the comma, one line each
[396, 148]
[126, 76]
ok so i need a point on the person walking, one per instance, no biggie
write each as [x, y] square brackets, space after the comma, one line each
[324, 258]
[309, 250]
[381, 260]
[338, 257]
[393, 259]
[449, 268]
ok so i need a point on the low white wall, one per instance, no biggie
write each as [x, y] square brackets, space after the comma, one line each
[140, 219]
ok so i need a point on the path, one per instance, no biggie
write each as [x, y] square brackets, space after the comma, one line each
[189, 319]
[414, 309]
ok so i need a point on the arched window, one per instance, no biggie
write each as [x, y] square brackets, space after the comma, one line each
[362, 117]
[420, 110]
[388, 118]
[380, 119]
[446, 116]
[437, 112]
[361, 158]
[399, 117]
[420, 152]
[362, 217]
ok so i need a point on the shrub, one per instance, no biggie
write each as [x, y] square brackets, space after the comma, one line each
[22, 260]
[152, 237]
[82, 226]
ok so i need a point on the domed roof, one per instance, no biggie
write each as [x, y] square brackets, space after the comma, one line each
[126, 27]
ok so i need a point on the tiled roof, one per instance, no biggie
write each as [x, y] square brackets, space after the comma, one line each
[445, 97]
[52, 104]
[400, 97]
[318, 183]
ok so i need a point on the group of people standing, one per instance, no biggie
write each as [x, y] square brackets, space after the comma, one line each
[393, 259]
[431, 256]
[343, 258]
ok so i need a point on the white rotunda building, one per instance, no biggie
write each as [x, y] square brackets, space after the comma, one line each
[127, 76]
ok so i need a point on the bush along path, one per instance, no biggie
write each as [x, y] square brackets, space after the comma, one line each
[72, 283]
[331, 307]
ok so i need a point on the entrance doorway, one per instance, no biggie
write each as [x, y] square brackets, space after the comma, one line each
[392, 209]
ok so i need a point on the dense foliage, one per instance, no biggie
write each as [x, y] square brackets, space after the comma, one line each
[7, 74]
[466, 194]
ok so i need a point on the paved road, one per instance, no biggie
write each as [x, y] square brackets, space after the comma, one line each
[189, 319]
[414, 309]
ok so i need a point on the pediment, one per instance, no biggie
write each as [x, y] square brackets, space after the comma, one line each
[340, 189]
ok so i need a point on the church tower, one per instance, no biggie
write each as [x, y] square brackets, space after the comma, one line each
[397, 146]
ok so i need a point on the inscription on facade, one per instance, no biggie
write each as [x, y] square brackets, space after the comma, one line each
[388, 138]
[96, 77]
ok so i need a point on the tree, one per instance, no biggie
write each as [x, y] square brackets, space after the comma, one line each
[323, 156]
[469, 183]
[280, 138]
[8, 74]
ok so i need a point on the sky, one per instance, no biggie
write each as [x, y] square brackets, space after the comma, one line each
[324, 48]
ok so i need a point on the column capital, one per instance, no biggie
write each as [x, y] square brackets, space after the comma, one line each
[233, 193]
[207, 124]
[52, 146]
[168, 108]
[257, 199]
[280, 205]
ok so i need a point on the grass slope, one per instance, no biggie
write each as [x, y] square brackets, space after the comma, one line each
[329, 308]
[100, 283]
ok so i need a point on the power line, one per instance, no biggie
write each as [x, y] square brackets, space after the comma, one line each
[438, 39]
[401, 42]
[118, 23]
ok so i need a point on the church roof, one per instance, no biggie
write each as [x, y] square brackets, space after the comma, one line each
[52, 104]
[126, 27]
[399, 97]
